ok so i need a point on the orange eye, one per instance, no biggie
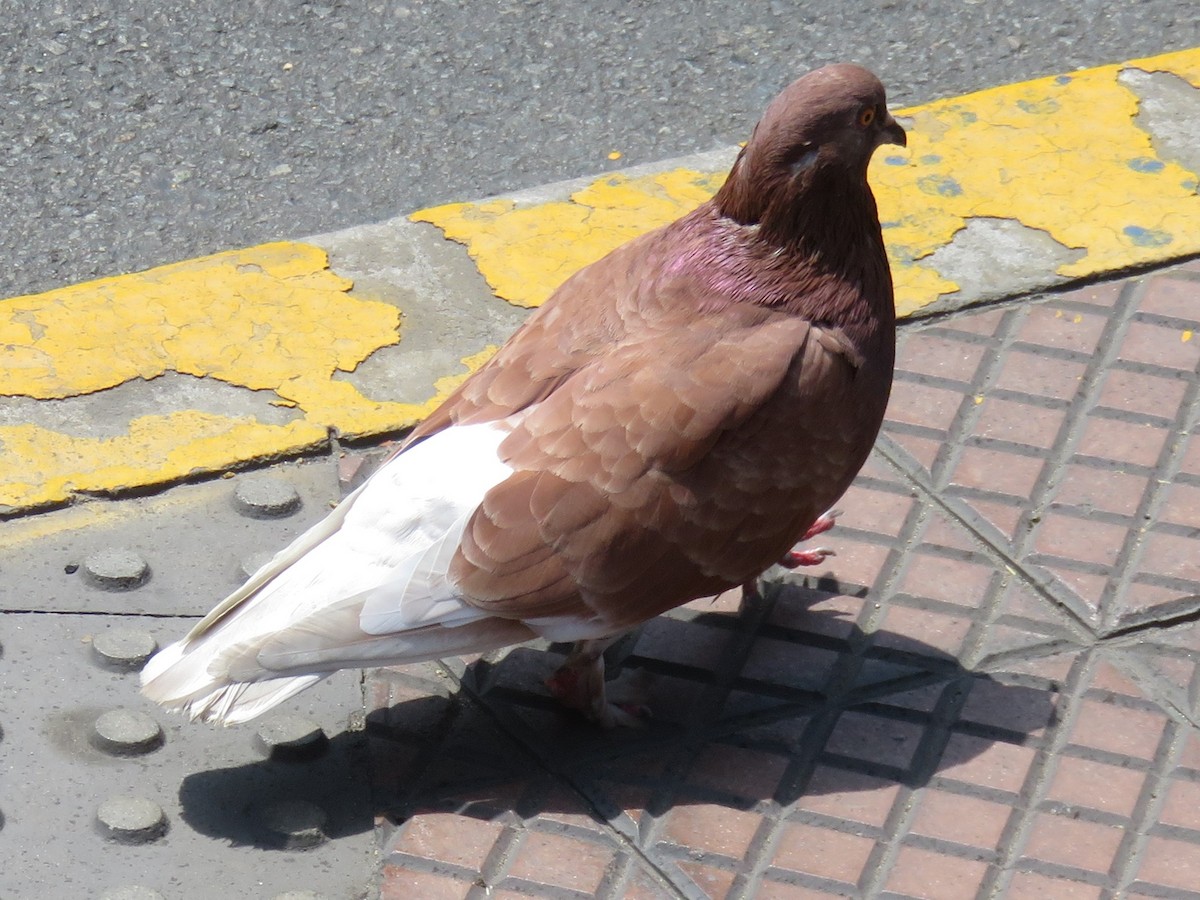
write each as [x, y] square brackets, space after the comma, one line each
[866, 116]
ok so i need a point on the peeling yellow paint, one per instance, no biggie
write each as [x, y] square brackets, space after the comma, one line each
[1184, 63]
[525, 252]
[1060, 154]
[272, 317]
[253, 318]
[1063, 155]
[43, 466]
[1186, 335]
[88, 515]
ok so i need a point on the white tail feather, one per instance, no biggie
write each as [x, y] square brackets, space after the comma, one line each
[365, 586]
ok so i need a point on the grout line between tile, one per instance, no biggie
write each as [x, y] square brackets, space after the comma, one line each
[1147, 809]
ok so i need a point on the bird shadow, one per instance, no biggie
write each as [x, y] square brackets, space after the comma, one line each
[782, 699]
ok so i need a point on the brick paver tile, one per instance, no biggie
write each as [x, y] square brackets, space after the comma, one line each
[852, 797]
[1087, 489]
[1173, 292]
[1169, 863]
[713, 881]
[1013, 707]
[681, 642]
[961, 819]
[744, 773]
[1035, 886]
[816, 612]
[878, 502]
[1182, 805]
[921, 630]
[946, 578]
[1081, 539]
[448, 838]
[561, 861]
[1118, 729]
[1086, 784]
[1074, 843]
[823, 852]
[1142, 393]
[1160, 346]
[1189, 463]
[935, 876]
[875, 738]
[1172, 556]
[944, 357]
[977, 761]
[1181, 505]
[1034, 374]
[1138, 444]
[776, 890]
[400, 883]
[1052, 325]
[710, 828]
[930, 407]
[791, 664]
[999, 472]
[1014, 422]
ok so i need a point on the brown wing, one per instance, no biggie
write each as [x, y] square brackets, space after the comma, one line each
[665, 470]
[597, 308]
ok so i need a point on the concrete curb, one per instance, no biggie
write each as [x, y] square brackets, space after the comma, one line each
[142, 380]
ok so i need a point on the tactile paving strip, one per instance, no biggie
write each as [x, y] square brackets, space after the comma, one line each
[107, 795]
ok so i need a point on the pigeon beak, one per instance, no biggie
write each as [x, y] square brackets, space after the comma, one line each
[892, 133]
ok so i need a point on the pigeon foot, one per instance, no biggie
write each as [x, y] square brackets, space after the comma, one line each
[794, 558]
[579, 684]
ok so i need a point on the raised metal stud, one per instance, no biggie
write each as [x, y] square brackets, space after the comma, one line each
[265, 497]
[116, 569]
[126, 732]
[126, 649]
[131, 820]
[285, 736]
[295, 824]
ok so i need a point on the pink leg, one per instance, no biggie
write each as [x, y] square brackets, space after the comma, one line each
[579, 684]
[794, 558]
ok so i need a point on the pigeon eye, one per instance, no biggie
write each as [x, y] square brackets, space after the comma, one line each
[866, 116]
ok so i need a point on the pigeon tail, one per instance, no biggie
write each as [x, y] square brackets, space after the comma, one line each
[366, 586]
[178, 681]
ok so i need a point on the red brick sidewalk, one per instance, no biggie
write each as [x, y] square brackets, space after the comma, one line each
[990, 691]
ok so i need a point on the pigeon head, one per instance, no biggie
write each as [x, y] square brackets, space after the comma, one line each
[810, 151]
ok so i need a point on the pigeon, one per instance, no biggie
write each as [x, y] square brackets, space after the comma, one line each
[667, 426]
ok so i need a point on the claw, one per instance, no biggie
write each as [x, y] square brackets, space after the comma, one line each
[824, 522]
[793, 559]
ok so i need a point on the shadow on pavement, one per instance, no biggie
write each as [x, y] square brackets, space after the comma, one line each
[775, 702]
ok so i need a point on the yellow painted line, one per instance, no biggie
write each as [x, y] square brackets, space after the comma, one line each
[272, 318]
[1060, 154]
[1063, 155]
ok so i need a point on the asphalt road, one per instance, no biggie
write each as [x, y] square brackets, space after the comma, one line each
[138, 132]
